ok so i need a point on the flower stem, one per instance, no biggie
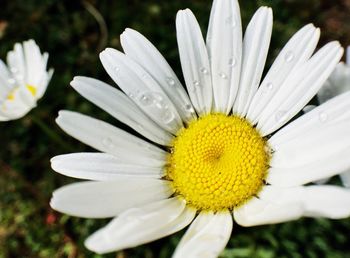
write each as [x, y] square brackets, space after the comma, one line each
[50, 133]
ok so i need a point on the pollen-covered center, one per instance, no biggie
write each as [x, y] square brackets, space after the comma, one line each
[218, 162]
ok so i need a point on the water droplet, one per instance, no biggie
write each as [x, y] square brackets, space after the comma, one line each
[167, 116]
[323, 117]
[188, 107]
[269, 86]
[281, 116]
[232, 62]
[203, 70]
[170, 81]
[130, 95]
[234, 23]
[146, 99]
[196, 83]
[223, 75]
[231, 22]
[107, 142]
[117, 69]
[289, 56]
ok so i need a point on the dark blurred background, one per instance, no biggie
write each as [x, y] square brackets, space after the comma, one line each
[74, 32]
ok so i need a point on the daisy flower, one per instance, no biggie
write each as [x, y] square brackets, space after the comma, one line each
[219, 151]
[23, 80]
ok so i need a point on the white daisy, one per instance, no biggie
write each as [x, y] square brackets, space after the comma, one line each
[216, 152]
[23, 80]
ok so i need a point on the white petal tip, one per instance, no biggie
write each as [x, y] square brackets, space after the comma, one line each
[95, 244]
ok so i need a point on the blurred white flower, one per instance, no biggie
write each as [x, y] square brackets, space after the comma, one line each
[217, 153]
[338, 82]
[23, 80]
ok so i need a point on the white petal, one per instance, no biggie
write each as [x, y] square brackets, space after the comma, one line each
[326, 201]
[144, 53]
[311, 146]
[108, 199]
[121, 107]
[101, 167]
[332, 112]
[141, 225]
[297, 51]
[206, 237]
[316, 155]
[255, 47]
[16, 61]
[194, 61]
[327, 167]
[224, 44]
[34, 64]
[4, 72]
[107, 138]
[298, 89]
[274, 205]
[141, 88]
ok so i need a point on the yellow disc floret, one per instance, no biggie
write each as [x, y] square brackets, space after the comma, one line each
[218, 162]
[32, 89]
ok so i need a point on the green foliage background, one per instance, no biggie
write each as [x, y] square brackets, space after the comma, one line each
[73, 35]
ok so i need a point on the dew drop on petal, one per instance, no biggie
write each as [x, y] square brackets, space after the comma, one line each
[107, 142]
[223, 75]
[289, 56]
[130, 95]
[232, 62]
[188, 107]
[146, 99]
[196, 83]
[281, 116]
[322, 116]
[269, 86]
[203, 70]
[170, 81]
[230, 22]
[167, 116]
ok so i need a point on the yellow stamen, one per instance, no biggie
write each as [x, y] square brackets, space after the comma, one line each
[32, 89]
[11, 96]
[218, 162]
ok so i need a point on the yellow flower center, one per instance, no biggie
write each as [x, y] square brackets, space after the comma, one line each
[218, 162]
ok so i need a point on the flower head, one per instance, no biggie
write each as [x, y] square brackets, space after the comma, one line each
[23, 80]
[210, 152]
